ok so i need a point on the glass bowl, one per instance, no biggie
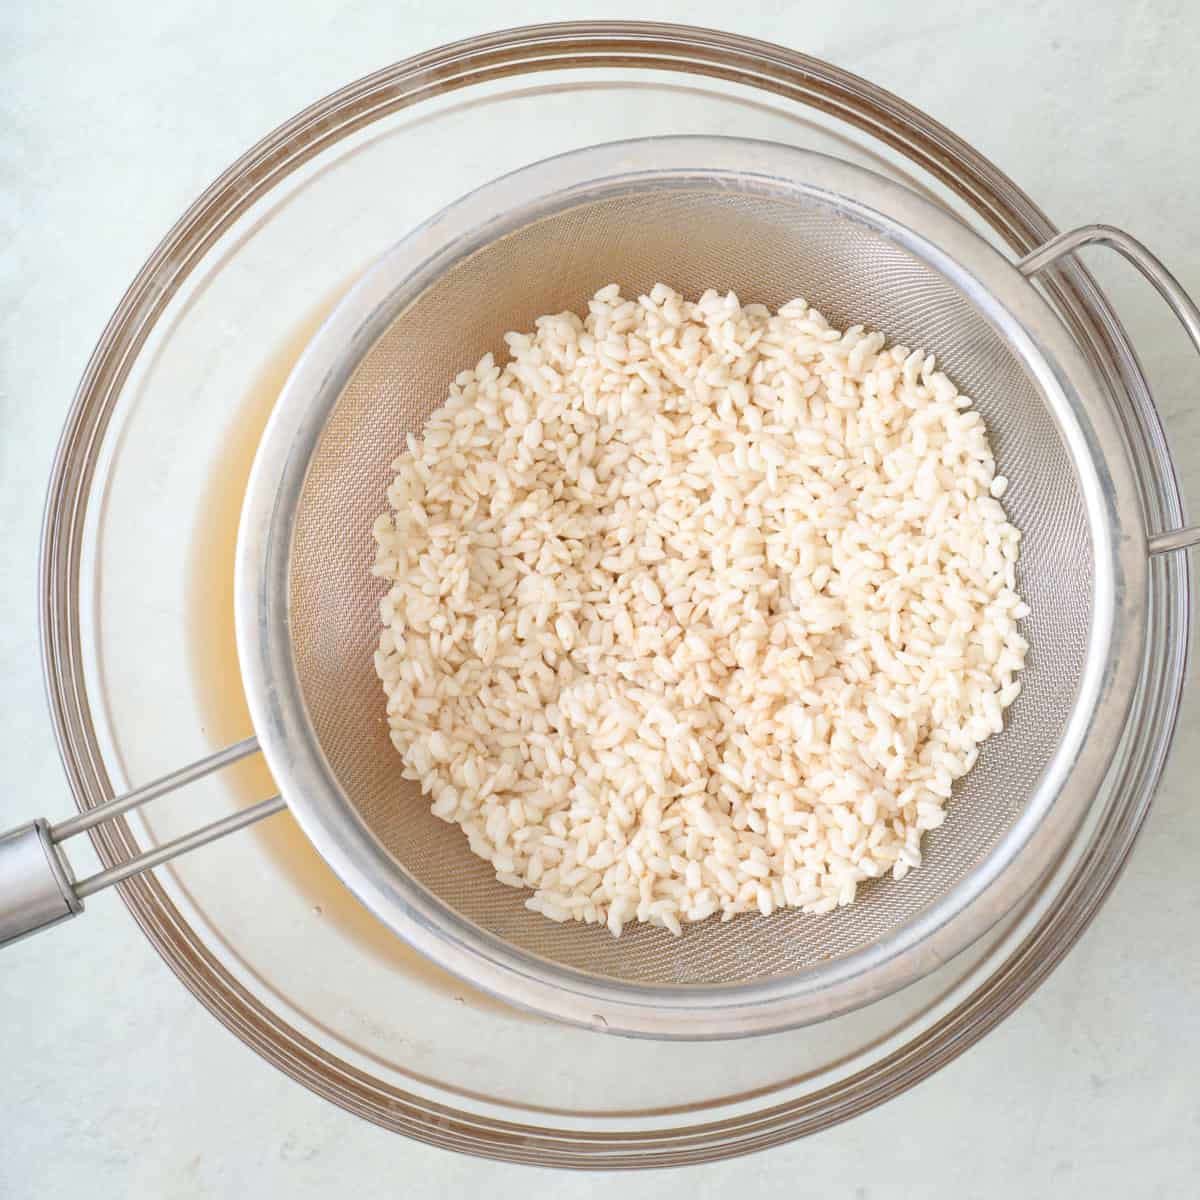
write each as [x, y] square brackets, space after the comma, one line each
[137, 629]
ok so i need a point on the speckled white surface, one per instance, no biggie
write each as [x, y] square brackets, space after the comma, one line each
[113, 1081]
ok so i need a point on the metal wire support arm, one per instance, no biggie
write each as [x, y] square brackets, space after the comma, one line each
[1167, 286]
[37, 886]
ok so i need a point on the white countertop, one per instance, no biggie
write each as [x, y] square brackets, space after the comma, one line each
[114, 1082]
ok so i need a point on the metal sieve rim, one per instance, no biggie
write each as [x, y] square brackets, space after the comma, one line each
[1068, 784]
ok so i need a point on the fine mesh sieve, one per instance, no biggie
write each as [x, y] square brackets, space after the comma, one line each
[771, 223]
[767, 248]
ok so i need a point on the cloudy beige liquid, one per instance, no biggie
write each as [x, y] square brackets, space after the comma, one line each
[218, 683]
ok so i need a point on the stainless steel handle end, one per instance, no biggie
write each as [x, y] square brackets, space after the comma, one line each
[36, 887]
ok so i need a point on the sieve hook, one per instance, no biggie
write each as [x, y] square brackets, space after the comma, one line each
[37, 885]
[1167, 286]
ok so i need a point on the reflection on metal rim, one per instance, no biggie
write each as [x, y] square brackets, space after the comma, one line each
[809, 84]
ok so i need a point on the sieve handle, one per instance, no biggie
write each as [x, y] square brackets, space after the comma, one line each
[1167, 286]
[37, 886]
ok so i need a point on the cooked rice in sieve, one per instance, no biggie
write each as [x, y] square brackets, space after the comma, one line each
[696, 609]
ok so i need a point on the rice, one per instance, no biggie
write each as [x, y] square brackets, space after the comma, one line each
[696, 609]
